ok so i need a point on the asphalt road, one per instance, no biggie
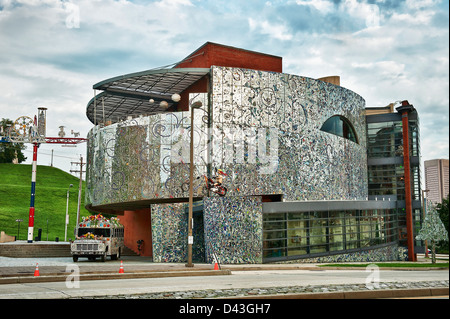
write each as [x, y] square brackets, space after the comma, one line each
[238, 279]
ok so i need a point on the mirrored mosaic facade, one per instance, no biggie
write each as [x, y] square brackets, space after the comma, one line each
[261, 128]
[146, 158]
[259, 109]
[233, 229]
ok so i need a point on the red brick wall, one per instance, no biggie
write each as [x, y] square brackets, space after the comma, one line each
[221, 55]
[201, 86]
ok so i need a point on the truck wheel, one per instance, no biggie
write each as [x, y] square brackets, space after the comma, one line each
[103, 258]
[75, 258]
[116, 256]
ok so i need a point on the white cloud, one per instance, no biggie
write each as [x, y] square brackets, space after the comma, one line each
[370, 13]
[323, 6]
[384, 51]
[276, 31]
[421, 4]
[173, 3]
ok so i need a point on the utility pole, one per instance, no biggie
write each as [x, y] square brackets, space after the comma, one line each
[80, 186]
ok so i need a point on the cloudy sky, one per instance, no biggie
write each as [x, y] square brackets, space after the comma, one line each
[53, 51]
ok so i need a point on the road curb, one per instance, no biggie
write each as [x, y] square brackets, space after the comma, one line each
[109, 276]
[225, 270]
[365, 294]
[317, 268]
[386, 268]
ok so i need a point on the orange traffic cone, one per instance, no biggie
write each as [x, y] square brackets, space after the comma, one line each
[121, 268]
[216, 264]
[36, 271]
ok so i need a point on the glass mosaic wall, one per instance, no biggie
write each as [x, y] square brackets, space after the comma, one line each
[264, 132]
[146, 157]
[251, 110]
[263, 129]
[229, 227]
[169, 233]
[233, 229]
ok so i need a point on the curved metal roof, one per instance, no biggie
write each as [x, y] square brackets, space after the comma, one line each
[130, 94]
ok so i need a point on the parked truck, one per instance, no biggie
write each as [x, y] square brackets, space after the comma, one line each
[97, 236]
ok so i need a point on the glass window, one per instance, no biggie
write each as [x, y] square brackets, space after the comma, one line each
[270, 253]
[385, 139]
[378, 231]
[351, 230]
[274, 221]
[318, 232]
[105, 232]
[340, 126]
[336, 231]
[321, 232]
[297, 237]
[386, 180]
[274, 235]
[365, 228]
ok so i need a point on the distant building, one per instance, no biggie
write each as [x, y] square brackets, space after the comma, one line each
[436, 179]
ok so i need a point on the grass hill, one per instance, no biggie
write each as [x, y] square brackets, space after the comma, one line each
[50, 201]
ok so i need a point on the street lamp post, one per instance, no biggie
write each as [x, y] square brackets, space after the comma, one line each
[67, 212]
[195, 105]
[423, 214]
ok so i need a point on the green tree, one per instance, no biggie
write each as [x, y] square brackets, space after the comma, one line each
[9, 150]
[442, 209]
[433, 230]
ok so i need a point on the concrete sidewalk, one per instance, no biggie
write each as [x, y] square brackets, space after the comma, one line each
[21, 270]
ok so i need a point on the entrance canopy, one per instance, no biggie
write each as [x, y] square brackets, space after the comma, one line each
[140, 93]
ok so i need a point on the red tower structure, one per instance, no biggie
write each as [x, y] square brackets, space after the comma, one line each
[405, 109]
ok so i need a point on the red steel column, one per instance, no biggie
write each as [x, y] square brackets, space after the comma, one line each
[407, 171]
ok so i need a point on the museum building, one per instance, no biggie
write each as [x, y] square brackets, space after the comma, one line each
[302, 159]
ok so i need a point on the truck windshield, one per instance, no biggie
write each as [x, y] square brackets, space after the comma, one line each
[105, 232]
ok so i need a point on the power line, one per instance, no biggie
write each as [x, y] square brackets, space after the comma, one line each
[49, 154]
